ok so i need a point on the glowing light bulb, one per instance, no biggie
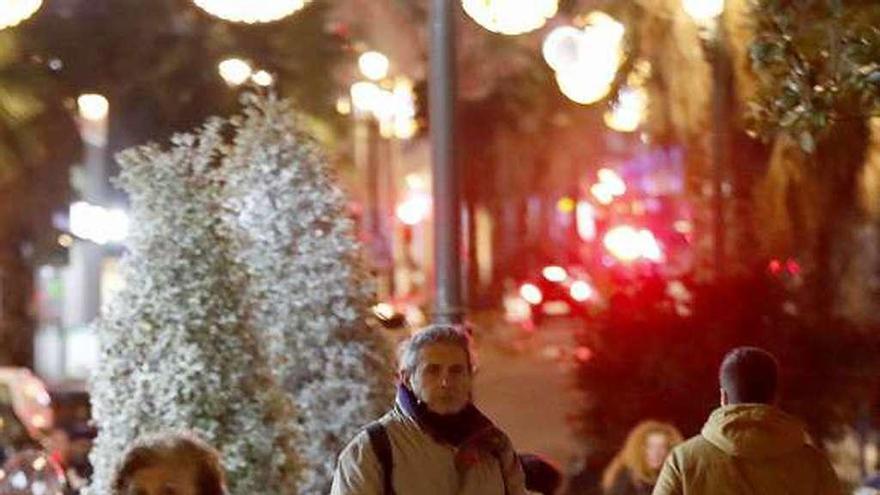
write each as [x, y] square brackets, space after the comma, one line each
[234, 71]
[93, 107]
[12, 12]
[703, 11]
[510, 17]
[531, 293]
[251, 11]
[263, 78]
[365, 95]
[561, 48]
[374, 65]
[627, 114]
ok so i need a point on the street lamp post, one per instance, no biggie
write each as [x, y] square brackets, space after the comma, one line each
[707, 14]
[86, 255]
[448, 307]
[720, 123]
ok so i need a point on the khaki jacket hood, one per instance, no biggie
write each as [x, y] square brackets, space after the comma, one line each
[748, 449]
[754, 431]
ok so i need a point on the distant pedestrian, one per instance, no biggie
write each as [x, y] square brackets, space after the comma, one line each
[634, 470]
[748, 446]
[169, 463]
[542, 476]
[434, 441]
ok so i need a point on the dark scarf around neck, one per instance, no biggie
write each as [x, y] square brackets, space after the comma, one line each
[469, 430]
[453, 429]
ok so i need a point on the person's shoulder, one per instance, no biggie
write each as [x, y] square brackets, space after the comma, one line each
[694, 442]
[694, 446]
[356, 445]
[361, 439]
[813, 456]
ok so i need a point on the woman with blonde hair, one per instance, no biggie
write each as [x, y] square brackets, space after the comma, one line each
[634, 470]
[171, 463]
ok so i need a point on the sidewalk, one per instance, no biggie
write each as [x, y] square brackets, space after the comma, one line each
[526, 388]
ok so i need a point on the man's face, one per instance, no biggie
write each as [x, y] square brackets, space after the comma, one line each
[442, 378]
[163, 479]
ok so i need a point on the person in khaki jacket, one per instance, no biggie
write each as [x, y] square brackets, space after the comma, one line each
[434, 441]
[748, 446]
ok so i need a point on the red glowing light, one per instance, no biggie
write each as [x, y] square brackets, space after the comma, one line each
[554, 273]
[581, 291]
[583, 354]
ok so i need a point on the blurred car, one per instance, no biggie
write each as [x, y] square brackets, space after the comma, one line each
[554, 291]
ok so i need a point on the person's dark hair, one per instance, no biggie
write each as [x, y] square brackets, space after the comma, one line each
[749, 375]
[541, 475]
[175, 449]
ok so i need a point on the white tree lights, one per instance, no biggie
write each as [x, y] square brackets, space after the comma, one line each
[250, 11]
[510, 17]
[13, 12]
[586, 60]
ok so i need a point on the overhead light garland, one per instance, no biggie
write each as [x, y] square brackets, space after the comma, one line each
[703, 11]
[586, 60]
[510, 17]
[13, 12]
[251, 11]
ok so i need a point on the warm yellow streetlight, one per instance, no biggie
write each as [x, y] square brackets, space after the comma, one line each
[251, 11]
[234, 71]
[510, 17]
[373, 65]
[92, 107]
[703, 11]
[13, 12]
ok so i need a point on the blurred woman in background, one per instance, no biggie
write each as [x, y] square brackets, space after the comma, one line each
[634, 470]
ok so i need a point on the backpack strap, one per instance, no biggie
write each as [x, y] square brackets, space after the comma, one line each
[382, 447]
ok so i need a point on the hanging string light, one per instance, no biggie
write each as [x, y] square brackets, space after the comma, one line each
[510, 17]
[586, 61]
[562, 47]
[251, 11]
[703, 11]
[13, 12]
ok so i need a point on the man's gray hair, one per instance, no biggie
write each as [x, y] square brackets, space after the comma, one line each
[456, 335]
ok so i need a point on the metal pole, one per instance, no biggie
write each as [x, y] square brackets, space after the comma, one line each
[720, 101]
[448, 306]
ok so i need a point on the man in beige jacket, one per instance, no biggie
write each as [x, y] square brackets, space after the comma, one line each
[434, 441]
[748, 446]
